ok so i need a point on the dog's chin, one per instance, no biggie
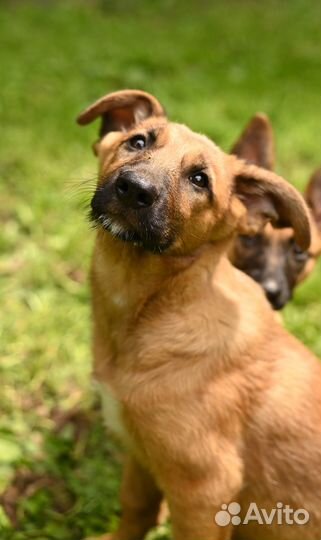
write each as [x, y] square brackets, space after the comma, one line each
[280, 303]
[146, 240]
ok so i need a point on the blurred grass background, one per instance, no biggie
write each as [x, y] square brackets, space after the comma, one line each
[213, 64]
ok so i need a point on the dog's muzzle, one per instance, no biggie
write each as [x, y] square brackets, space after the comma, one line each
[129, 206]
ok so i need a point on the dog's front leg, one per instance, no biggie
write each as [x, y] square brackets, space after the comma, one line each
[140, 501]
[197, 523]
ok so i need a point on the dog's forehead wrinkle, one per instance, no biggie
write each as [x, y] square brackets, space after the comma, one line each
[191, 160]
[193, 150]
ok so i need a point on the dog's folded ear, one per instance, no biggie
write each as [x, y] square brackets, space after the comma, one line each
[267, 197]
[121, 111]
[256, 143]
[313, 197]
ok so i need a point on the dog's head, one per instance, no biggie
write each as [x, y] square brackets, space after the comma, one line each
[273, 258]
[166, 189]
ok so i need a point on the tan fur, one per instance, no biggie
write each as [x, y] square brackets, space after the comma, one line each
[272, 258]
[218, 402]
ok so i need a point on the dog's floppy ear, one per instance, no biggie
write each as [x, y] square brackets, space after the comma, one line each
[269, 198]
[120, 111]
[256, 143]
[313, 197]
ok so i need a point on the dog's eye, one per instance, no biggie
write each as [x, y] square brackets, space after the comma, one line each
[199, 179]
[299, 254]
[250, 241]
[138, 142]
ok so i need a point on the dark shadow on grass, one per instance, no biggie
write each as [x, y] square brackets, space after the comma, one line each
[72, 491]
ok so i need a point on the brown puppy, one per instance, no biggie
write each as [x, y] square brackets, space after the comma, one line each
[272, 257]
[214, 400]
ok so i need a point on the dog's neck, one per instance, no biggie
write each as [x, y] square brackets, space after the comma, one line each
[126, 278]
[135, 274]
[132, 287]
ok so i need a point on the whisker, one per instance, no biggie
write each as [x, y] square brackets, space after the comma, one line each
[77, 187]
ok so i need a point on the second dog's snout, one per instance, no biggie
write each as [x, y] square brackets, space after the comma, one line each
[135, 193]
[274, 293]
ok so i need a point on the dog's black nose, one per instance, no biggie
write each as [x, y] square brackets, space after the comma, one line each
[274, 293]
[135, 192]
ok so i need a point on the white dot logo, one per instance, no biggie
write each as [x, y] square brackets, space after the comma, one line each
[228, 515]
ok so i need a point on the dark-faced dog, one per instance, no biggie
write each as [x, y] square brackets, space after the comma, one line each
[215, 402]
[272, 257]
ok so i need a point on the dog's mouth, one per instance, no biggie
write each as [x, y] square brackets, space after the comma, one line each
[149, 239]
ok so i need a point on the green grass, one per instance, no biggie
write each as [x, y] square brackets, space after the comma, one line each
[213, 64]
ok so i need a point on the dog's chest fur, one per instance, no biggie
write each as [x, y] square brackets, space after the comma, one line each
[111, 409]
